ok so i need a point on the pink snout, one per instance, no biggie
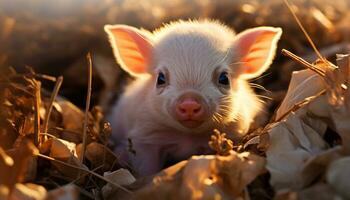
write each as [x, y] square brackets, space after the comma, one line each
[190, 110]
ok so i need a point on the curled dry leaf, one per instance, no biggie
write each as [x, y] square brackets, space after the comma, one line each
[303, 84]
[121, 177]
[65, 151]
[206, 177]
[298, 153]
[292, 142]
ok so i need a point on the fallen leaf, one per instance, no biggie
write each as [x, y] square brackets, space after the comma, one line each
[206, 177]
[65, 151]
[19, 165]
[121, 177]
[99, 155]
[303, 84]
[292, 143]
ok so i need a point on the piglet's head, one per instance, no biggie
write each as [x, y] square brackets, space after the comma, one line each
[196, 71]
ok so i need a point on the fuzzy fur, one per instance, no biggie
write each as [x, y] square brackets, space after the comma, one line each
[191, 53]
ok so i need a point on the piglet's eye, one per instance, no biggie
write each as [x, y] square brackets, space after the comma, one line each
[223, 79]
[161, 80]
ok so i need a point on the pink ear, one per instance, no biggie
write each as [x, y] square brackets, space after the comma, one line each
[131, 47]
[256, 48]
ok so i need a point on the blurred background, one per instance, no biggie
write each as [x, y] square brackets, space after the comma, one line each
[54, 36]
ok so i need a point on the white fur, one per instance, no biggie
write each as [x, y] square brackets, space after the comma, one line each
[190, 51]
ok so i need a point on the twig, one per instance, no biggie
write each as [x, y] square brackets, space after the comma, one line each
[304, 31]
[47, 134]
[85, 170]
[299, 105]
[295, 108]
[46, 77]
[52, 99]
[87, 106]
[303, 62]
[37, 99]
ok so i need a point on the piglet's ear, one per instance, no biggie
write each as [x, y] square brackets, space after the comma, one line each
[132, 48]
[256, 48]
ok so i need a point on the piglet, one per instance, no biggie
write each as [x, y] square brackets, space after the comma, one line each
[190, 78]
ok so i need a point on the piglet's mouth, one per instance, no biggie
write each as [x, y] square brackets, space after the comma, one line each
[190, 123]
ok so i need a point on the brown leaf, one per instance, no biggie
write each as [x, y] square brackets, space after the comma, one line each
[292, 143]
[120, 177]
[28, 191]
[206, 177]
[65, 151]
[99, 155]
[21, 168]
[72, 116]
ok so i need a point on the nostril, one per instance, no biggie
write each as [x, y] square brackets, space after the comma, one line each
[197, 110]
[182, 110]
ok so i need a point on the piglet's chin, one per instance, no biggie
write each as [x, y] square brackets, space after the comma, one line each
[191, 123]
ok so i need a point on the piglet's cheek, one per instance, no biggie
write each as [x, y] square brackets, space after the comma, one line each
[170, 107]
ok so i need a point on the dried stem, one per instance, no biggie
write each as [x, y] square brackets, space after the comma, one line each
[304, 31]
[46, 77]
[85, 170]
[303, 62]
[87, 106]
[52, 99]
[37, 102]
[299, 105]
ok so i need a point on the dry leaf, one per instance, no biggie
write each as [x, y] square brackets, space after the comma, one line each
[297, 154]
[304, 84]
[28, 191]
[121, 177]
[21, 168]
[65, 151]
[206, 177]
[316, 166]
[99, 155]
[292, 143]
[72, 120]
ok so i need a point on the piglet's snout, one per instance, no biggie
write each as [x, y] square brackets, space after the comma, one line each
[190, 110]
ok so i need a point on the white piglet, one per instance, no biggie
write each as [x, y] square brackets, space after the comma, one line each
[190, 78]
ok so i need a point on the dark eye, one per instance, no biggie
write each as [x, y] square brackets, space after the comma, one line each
[161, 79]
[223, 79]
